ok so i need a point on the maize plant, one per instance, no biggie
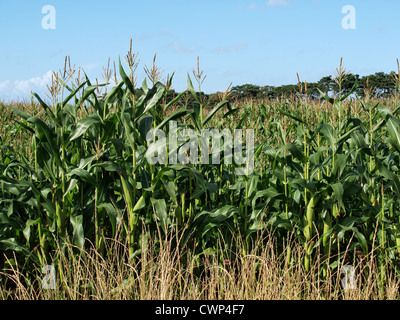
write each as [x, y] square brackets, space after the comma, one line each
[333, 184]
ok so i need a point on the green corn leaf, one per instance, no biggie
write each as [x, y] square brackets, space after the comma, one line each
[20, 113]
[160, 209]
[88, 92]
[170, 187]
[362, 104]
[26, 127]
[242, 121]
[113, 92]
[252, 184]
[216, 218]
[126, 120]
[290, 116]
[379, 125]
[73, 93]
[153, 97]
[338, 191]
[230, 112]
[45, 132]
[359, 140]
[27, 230]
[71, 186]
[340, 163]
[140, 204]
[352, 90]
[388, 174]
[269, 193]
[125, 78]
[295, 151]
[174, 116]
[393, 126]
[113, 213]
[362, 241]
[12, 244]
[109, 166]
[215, 110]
[191, 89]
[195, 116]
[349, 222]
[346, 135]
[175, 100]
[145, 87]
[83, 175]
[329, 99]
[145, 125]
[78, 231]
[83, 125]
[329, 133]
[282, 133]
[70, 110]
[45, 107]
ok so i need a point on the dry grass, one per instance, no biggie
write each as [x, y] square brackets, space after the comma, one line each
[178, 274]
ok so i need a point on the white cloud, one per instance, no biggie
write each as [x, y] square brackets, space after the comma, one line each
[268, 4]
[252, 6]
[21, 89]
[4, 85]
[178, 47]
[165, 33]
[230, 49]
[277, 3]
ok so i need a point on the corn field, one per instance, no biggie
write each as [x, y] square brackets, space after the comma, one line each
[74, 177]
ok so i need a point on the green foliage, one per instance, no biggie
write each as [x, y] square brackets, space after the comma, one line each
[333, 185]
[380, 84]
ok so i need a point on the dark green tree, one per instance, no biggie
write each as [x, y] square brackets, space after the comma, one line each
[246, 90]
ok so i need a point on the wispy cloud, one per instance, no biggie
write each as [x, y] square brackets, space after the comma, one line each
[268, 4]
[278, 3]
[165, 33]
[383, 28]
[144, 36]
[229, 49]
[21, 89]
[180, 48]
[251, 6]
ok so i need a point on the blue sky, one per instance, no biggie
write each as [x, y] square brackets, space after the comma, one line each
[263, 42]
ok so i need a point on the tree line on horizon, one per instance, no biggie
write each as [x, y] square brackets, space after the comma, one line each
[379, 85]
